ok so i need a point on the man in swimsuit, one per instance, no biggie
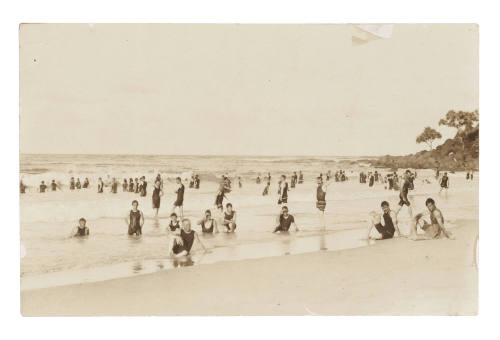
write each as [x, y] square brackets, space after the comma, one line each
[321, 199]
[135, 220]
[43, 187]
[445, 183]
[390, 225]
[81, 230]
[403, 194]
[179, 202]
[208, 224]
[284, 221]
[433, 229]
[157, 193]
[180, 245]
[229, 218]
[53, 185]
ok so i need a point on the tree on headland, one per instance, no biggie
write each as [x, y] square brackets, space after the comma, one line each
[428, 136]
[463, 121]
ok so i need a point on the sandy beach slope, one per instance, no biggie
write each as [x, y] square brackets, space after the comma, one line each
[392, 277]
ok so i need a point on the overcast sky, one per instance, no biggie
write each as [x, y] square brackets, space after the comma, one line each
[240, 89]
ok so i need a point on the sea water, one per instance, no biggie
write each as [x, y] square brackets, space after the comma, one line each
[50, 257]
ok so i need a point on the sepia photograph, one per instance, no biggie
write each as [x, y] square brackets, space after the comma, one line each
[248, 169]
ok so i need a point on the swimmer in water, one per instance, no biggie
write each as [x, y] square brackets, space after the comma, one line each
[208, 223]
[43, 187]
[143, 186]
[403, 194]
[390, 225]
[100, 186]
[321, 199]
[433, 229]
[181, 245]
[78, 184]
[157, 193]
[219, 198]
[229, 218]
[81, 230]
[179, 202]
[283, 191]
[301, 177]
[135, 220]
[86, 183]
[445, 183]
[173, 226]
[284, 221]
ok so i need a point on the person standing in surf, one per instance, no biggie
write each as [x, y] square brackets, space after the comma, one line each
[293, 180]
[72, 183]
[283, 191]
[321, 199]
[124, 185]
[53, 185]
[179, 202]
[135, 220]
[114, 186]
[81, 230]
[143, 187]
[100, 186]
[42, 187]
[445, 183]
[86, 183]
[157, 193]
[403, 194]
[301, 177]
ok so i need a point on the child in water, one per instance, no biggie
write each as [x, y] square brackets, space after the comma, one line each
[81, 230]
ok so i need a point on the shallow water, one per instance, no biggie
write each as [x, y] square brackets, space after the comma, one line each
[50, 257]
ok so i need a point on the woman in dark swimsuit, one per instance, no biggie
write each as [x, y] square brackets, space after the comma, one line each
[135, 220]
[181, 245]
[157, 192]
[230, 218]
[173, 226]
[131, 185]
[208, 224]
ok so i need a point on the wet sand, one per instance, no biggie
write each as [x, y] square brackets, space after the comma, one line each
[390, 277]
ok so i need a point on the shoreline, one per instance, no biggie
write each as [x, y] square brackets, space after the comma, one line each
[379, 279]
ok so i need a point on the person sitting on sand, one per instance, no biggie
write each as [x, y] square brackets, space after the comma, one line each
[43, 187]
[173, 225]
[390, 225]
[208, 224]
[284, 221]
[229, 218]
[80, 230]
[135, 220]
[180, 245]
[179, 202]
[403, 194]
[433, 229]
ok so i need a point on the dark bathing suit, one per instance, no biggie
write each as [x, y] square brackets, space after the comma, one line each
[43, 187]
[187, 242]
[174, 227]
[72, 185]
[403, 197]
[54, 186]
[81, 232]
[100, 187]
[156, 198]
[444, 182]
[320, 198]
[85, 184]
[180, 196]
[285, 223]
[205, 229]
[227, 219]
[143, 189]
[218, 200]
[284, 194]
[388, 229]
[135, 223]
[131, 187]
